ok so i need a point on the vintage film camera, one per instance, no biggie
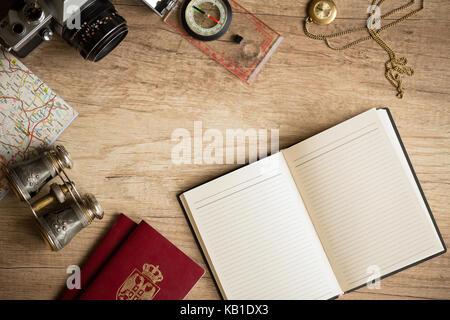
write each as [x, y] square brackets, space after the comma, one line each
[92, 27]
[63, 212]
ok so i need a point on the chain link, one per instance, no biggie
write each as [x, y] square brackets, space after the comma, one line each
[395, 67]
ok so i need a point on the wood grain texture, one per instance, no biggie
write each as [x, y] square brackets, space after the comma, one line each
[155, 82]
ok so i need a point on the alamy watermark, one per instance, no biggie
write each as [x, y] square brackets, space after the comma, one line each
[74, 20]
[374, 20]
[374, 280]
[74, 280]
[214, 146]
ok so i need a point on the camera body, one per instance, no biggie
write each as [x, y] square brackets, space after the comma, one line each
[93, 27]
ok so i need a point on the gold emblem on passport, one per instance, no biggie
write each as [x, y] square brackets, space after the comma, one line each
[141, 285]
[322, 11]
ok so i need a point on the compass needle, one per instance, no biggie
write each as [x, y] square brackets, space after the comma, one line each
[206, 19]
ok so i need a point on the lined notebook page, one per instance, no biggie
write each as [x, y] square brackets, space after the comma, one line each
[362, 199]
[257, 236]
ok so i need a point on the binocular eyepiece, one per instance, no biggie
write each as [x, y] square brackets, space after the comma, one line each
[63, 212]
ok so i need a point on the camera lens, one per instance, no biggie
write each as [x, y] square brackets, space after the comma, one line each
[101, 30]
[33, 12]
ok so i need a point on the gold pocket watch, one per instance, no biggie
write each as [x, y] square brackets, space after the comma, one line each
[322, 11]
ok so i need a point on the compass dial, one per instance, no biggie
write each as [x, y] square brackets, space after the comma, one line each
[206, 19]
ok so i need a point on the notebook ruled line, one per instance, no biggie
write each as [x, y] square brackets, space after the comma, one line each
[262, 181]
[337, 140]
[331, 150]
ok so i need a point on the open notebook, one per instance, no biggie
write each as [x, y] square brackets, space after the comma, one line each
[314, 220]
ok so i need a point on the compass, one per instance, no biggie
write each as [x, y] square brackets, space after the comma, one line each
[206, 20]
[322, 11]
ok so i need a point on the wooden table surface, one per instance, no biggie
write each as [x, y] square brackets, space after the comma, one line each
[155, 82]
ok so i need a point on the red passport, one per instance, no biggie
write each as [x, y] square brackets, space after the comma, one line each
[146, 266]
[110, 243]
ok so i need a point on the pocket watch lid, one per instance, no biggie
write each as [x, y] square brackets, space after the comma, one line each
[322, 11]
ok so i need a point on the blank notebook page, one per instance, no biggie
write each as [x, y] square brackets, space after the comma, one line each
[257, 236]
[362, 199]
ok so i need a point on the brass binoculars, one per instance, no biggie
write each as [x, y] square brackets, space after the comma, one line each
[63, 212]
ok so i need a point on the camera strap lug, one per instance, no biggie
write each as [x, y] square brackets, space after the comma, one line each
[162, 8]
